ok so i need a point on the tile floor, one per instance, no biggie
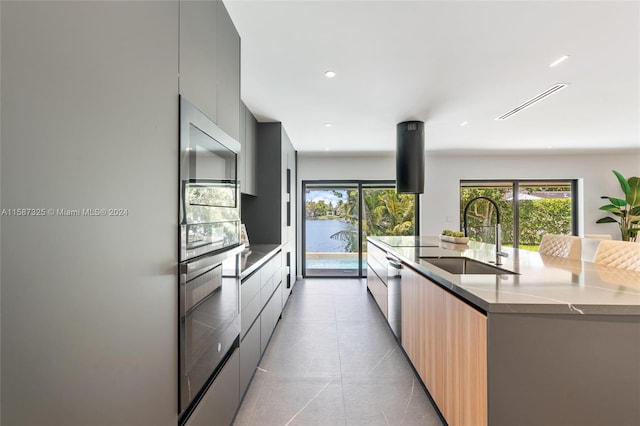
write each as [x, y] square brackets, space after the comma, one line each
[333, 360]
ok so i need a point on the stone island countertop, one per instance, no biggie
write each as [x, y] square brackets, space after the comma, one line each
[541, 284]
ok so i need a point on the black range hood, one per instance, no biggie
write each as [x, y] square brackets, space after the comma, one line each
[410, 157]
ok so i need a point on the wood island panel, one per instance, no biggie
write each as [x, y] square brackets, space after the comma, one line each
[465, 364]
[446, 340]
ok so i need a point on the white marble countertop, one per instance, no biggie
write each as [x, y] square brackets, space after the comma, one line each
[543, 284]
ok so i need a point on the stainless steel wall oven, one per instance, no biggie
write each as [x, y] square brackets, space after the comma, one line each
[209, 190]
[209, 228]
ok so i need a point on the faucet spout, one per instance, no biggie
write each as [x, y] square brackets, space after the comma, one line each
[499, 253]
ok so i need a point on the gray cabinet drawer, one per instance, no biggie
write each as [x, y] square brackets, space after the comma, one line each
[267, 290]
[219, 403]
[249, 356]
[272, 267]
[249, 314]
[249, 289]
[379, 291]
[269, 318]
[377, 260]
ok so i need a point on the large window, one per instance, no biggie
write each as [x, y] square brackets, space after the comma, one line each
[528, 209]
[338, 217]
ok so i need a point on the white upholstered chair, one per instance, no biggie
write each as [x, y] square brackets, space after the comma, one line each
[618, 254]
[566, 246]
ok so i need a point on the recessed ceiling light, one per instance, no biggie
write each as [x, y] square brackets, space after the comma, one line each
[330, 74]
[464, 123]
[326, 149]
[559, 60]
[328, 124]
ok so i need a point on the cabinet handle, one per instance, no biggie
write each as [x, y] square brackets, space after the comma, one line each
[394, 262]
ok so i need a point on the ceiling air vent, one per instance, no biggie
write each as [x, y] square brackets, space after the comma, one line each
[533, 100]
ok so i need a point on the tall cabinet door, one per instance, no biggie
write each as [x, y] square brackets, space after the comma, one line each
[228, 74]
[247, 163]
[198, 53]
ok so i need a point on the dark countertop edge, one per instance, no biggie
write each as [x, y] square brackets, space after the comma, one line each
[510, 308]
[256, 256]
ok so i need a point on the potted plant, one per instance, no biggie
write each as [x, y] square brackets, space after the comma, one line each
[627, 210]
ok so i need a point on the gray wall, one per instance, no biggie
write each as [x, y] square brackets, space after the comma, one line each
[89, 304]
[0, 208]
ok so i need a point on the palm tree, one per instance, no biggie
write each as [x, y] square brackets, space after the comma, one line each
[384, 213]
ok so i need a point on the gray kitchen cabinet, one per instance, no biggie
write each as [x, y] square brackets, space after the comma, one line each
[198, 54]
[227, 74]
[251, 125]
[260, 305]
[242, 158]
[247, 161]
[377, 276]
[220, 401]
[270, 217]
[209, 63]
[269, 318]
[249, 356]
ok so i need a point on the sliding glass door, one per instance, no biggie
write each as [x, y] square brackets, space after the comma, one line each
[543, 208]
[338, 217]
[528, 209]
[331, 223]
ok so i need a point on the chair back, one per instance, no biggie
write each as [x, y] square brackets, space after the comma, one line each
[618, 254]
[566, 246]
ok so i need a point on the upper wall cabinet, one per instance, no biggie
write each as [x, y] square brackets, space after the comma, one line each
[210, 62]
[247, 162]
[228, 74]
[198, 54]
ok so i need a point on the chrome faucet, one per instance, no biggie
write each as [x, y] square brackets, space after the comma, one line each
[499, 253]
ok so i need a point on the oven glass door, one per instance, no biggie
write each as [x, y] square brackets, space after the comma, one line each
[210, 167]
[209, 189]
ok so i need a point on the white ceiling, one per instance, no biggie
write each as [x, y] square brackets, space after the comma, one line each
[443, 62]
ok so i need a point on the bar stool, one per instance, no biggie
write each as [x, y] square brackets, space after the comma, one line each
[618, 254]
[566, 246]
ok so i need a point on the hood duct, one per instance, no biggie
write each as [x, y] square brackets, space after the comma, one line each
[410, 157]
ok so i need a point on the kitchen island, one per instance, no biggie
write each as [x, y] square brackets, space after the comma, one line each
[542, 340]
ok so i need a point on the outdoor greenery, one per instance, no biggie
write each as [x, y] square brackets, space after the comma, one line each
[538, 216]
[385, 213]
[626, 210]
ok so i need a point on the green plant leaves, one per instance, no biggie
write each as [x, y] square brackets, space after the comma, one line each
[606, 220]
[628, 210]
[633, 196]
[623, 182]
[617, 201]
[613, 209]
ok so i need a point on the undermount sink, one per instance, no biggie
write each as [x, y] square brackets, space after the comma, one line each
[465, 266]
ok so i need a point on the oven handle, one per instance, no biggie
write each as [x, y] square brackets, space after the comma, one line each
[206, 262]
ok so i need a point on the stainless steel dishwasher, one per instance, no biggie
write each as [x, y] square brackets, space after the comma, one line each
[394, 315]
